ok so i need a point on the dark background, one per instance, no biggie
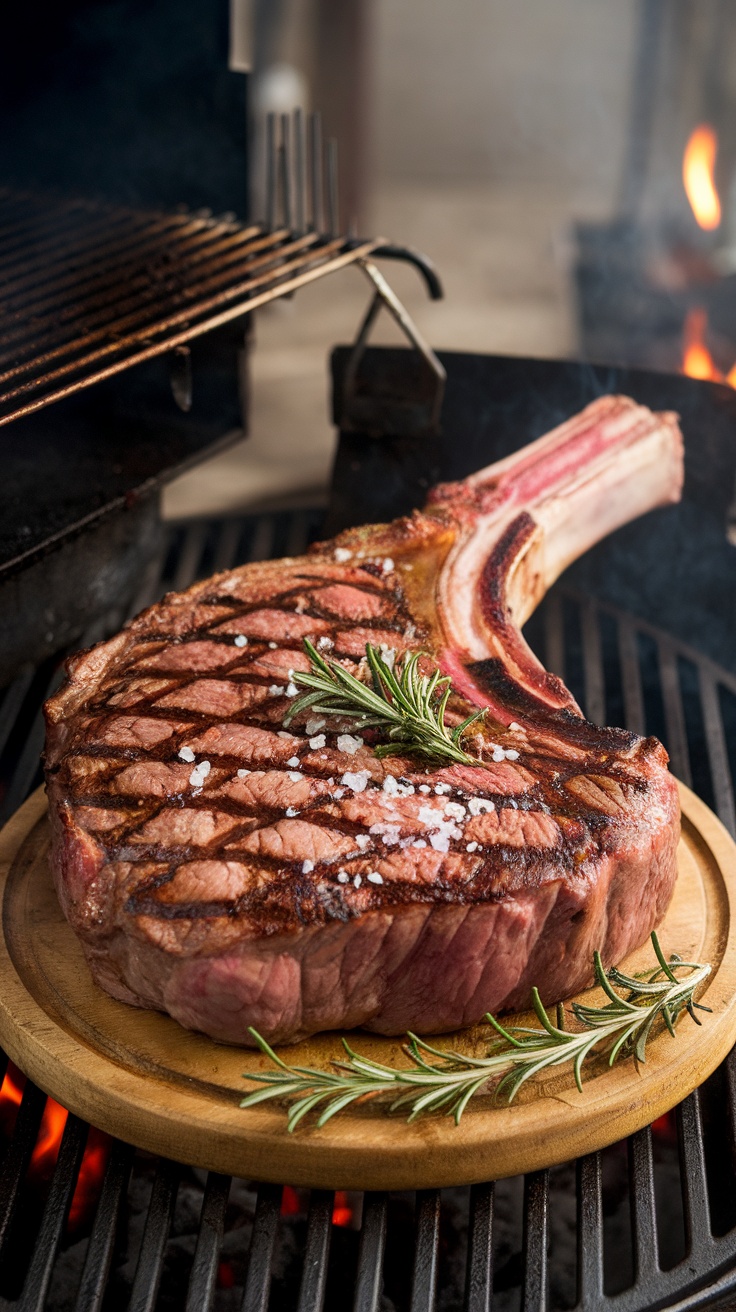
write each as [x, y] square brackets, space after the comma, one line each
[130, 100]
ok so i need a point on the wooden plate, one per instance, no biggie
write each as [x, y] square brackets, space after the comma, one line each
[142, 1077]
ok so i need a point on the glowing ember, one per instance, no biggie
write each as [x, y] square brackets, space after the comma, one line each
[342, 1212]
[293, 1203]
[46, 1151]
[698, 164]
[697, 361]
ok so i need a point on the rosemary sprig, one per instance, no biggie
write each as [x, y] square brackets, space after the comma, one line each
[446, 1081]
[407, 707]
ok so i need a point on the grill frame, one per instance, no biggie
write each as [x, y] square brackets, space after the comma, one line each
[708, 1269]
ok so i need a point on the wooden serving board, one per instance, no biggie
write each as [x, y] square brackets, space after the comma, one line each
[140, 1076]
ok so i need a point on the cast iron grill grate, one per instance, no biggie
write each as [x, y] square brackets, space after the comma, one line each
[646, 1224]
[88, 290]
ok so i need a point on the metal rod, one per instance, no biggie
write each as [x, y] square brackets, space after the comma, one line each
[315, 169]
[643, 1215]
[695, 1202]
[17, 1158]
[300, 176]
[424, 1279]
[203, 1277]
[271, 179]
[333, 196]
[536, 1224]
[316, 1253]
[479, 1274]
[595, 691]
[262, 1244]
[285, 172]
[369, 1280]
[590, 1231]
[554, 635]
[631, 677]
[101, 1245]
[715, 737]
[676, 743]
[55, 1213]
[155, 1236]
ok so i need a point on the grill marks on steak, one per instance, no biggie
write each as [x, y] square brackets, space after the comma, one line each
[303, 839]
[135, 798]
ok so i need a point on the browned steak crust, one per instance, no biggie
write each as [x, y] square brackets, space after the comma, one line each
[234, 873]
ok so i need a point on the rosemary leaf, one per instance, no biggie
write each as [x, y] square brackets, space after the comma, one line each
[406, 707]
[446, 1081]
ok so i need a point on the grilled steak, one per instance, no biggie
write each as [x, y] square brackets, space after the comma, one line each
[234, 873]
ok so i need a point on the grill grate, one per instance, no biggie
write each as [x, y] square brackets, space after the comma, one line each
[89, 289]
[642, 1225]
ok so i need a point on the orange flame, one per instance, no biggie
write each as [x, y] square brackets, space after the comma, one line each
[46, 1151]
[697, 361]
[698, 164]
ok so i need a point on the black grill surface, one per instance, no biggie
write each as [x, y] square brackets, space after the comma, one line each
[649, 1223]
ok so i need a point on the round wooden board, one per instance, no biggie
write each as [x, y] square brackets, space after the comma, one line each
[140, 1076]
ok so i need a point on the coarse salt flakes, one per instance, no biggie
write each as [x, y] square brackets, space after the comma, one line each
[273, 645]
[243, 773]
[342, 555]
[512, 756]
[499, 754]
[313, 725]
[199, 774]
[471, 847]
[318, 741]
[307, 866]
[295, 776]
[342, 876]
[429, 815]
[283, 734]
[419, 842]
[390, 785]
[514, 725]
[294, 761]
[291, 690]
[240, 640]
[291, 811]
[276, 690]
[477, 805]
[186, 754]
[514, 805]
[442, 788]
[358, 881]
[456, 810]
[363, 841]
[355, 779]
[324, 643]
[338, 793]
[440, 841]
[349, 743]
[387, 565]
[424, 788]
[391, 833]
[373, 877]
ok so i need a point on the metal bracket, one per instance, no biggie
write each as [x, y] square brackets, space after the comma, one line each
[368, 409]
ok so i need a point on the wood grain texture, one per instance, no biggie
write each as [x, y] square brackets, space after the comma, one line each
[139, 1075]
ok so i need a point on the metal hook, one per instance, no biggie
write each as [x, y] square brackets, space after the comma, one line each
[361, 414]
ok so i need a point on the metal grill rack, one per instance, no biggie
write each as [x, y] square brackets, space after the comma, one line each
[649, 1224]
[87, 290]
